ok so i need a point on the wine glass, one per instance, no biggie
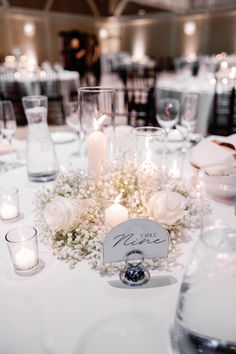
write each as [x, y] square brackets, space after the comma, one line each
[167, 115]
[7, 121]
[189, 117]
[72, 117]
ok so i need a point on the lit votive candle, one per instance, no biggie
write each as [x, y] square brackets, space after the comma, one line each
[25, 259]
[97, 152]
[115, 214]
[9, 203]
[23, 248]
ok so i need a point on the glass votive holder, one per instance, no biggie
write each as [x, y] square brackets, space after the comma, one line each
[9, 204]
[148, 146]
[23, 248]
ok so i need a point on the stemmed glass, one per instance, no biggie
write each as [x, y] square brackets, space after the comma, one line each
[189, 117]
[167, 115]
[7, 121]
[72, 120]
[72, 117]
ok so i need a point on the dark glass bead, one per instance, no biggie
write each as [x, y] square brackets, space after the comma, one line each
[134, 274]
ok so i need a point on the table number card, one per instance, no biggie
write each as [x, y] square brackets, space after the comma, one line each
[145, 236]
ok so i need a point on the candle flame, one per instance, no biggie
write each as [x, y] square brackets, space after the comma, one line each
[98, 122]
[117, 199]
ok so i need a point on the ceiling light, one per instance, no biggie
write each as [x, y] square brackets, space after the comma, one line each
[189, 28]
[103, 33]
[141, 12]
[29, 29]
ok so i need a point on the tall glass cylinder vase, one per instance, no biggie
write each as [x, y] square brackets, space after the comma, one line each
[148, 143]
[96, 114]
[42, 165]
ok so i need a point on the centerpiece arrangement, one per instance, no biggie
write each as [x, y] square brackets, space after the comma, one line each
[71, 215]
[77, 212]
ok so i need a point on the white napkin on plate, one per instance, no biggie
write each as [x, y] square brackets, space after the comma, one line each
[215, 151]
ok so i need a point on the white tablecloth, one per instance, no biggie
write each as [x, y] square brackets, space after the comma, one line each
[60, 311]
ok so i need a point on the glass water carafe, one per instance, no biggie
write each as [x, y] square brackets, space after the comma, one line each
[205, 320]
[42, 165]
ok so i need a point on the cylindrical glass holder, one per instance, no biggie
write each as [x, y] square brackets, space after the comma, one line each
[9, 204]
[23, 248]
[148, 142]
[96, 114]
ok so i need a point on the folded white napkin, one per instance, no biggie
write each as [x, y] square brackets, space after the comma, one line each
[214, 151]
[5, 147]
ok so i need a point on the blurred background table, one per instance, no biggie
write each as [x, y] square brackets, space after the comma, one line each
[178, 85]
[60, 88]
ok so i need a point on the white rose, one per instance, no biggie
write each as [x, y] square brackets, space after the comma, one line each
[60, 214]
[167, 207]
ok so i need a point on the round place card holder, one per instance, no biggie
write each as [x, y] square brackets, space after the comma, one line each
[134, 274]
[133, 241]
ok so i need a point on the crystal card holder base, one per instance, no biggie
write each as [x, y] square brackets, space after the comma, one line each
[134, 274]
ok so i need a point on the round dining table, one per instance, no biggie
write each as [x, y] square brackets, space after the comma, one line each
[51, 84]
[61, 310]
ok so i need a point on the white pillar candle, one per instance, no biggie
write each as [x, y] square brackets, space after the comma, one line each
[115, 214]
[8, 211]
[25, 258]
[97, 152]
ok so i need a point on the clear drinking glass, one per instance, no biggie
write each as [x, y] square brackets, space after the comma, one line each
[189, 117]
[167, 114]
[72, 116]
[42, 162]
[23, 248]
[9, 204]
[206, 312]
[7, 121]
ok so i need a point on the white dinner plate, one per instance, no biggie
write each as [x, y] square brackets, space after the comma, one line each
[62, 137]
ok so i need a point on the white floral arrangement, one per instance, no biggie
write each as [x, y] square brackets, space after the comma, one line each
[70, 214]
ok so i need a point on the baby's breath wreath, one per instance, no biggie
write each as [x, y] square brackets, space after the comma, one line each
[70, 215]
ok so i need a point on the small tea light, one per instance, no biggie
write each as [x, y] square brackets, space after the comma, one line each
[116, 213]
[9, 203]
[23, 248]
